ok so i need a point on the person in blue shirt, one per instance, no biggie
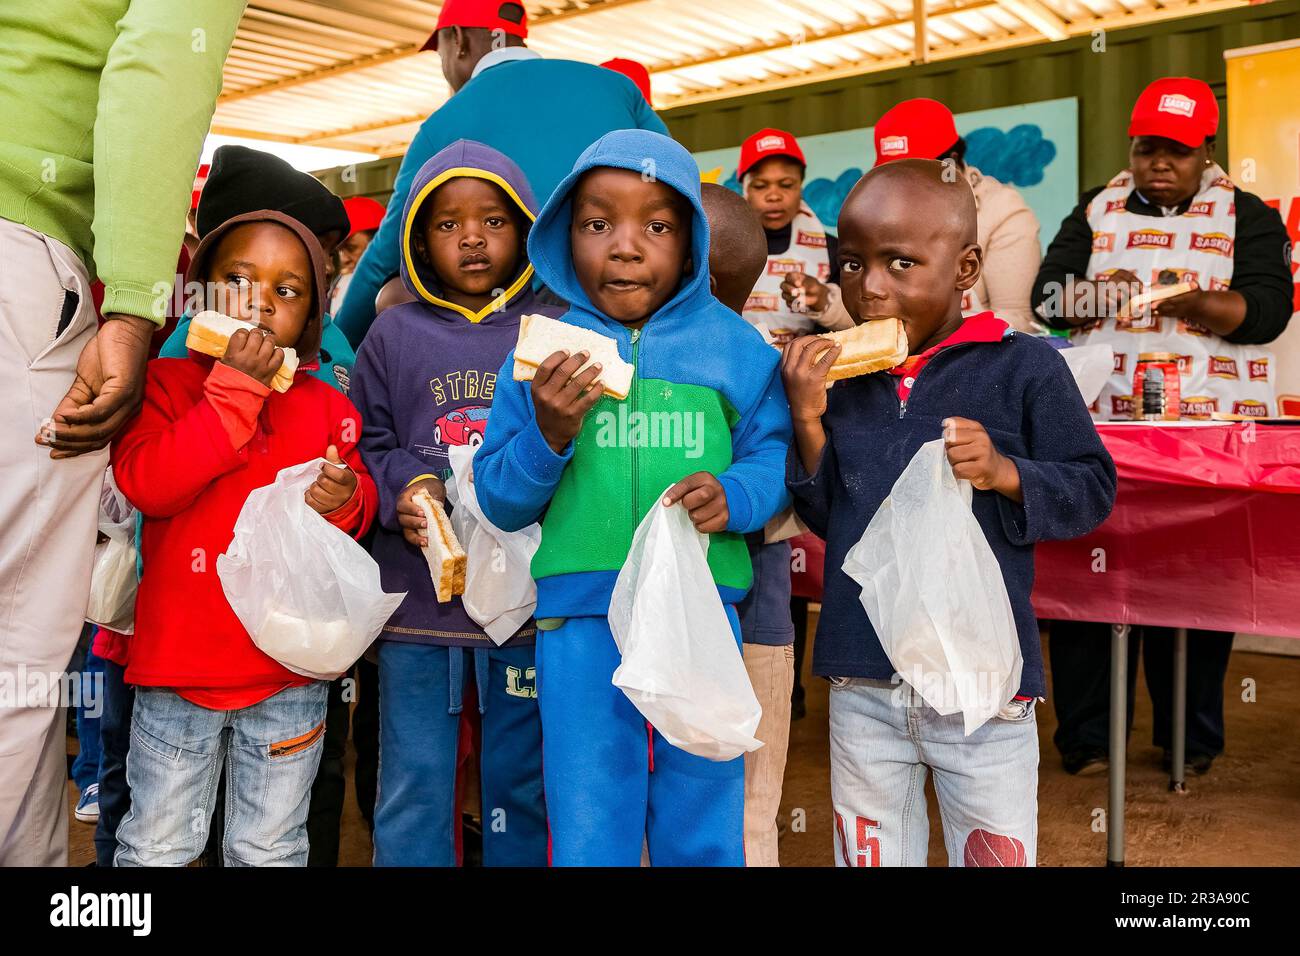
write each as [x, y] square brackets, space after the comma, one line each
[541, 113]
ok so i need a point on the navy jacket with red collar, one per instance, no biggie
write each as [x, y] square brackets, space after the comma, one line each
[1020, 389]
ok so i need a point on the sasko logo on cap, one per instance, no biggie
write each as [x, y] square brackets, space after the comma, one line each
[1178, 104]
[893, 145]
[768, 143]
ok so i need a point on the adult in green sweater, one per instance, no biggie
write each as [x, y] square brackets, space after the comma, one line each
[105, 106]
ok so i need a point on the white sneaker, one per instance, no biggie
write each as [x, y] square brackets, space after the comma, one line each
[88, 806]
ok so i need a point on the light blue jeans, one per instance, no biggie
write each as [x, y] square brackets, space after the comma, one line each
[883, 740]
[270, 751]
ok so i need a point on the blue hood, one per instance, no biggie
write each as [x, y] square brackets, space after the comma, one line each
[549, 247]
[463, 158]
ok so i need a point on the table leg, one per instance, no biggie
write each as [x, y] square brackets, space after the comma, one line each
[1118, 743]
[1178, 771]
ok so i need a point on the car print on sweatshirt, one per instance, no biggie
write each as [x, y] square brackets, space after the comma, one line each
[464, 426]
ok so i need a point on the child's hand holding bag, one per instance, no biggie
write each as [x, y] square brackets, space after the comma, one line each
[308, 595]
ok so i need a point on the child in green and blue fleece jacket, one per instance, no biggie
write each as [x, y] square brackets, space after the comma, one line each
[625, 241]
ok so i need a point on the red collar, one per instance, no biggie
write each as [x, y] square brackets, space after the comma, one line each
[981, 327]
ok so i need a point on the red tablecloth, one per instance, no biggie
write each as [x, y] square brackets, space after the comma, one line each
[1205, 533]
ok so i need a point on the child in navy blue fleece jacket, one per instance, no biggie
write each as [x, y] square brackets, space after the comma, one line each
[1016, 427]
[424, 380]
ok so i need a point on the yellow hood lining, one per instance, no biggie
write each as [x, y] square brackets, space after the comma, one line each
[459, 172]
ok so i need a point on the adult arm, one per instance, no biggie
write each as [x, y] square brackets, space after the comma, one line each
[381, 260]
[169, 56]
[1066, 261]
[1011, 262]
[1261, 272]
[157, 92]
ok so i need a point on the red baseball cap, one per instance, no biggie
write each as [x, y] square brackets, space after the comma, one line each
[481, 14]
[1176, 107]
[915, 129]
[363, 214]
[634, 71]
[765, 143]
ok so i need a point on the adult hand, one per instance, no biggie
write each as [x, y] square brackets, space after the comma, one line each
[1114, 291]
[107, 389]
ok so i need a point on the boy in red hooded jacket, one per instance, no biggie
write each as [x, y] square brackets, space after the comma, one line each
[209, 433]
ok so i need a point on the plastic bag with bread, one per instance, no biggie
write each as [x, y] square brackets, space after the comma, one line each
[210, 333]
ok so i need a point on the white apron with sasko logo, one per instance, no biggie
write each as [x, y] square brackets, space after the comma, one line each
[1216, 376]
[765, 309]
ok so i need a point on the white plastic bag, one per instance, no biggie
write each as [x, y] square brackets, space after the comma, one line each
[308, 595]
[681, 667]
[1092, 366]
[934, 593]
[500, 593]
[113, 581]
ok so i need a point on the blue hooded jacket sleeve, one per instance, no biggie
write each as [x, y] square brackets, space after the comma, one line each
[515, 471]
[754, 483]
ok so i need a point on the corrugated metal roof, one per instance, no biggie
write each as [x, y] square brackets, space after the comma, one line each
[348, 73]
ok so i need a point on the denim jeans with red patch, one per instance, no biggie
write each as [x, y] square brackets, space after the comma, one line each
[270, 752]
[885, 738]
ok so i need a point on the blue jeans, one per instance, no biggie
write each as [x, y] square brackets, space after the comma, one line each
[420, 704]
[884, 739]
[115, 741]
[90, 705]
[611, 781]
[270, 751]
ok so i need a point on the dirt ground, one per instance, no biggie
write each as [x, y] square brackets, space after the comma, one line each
[1242, 813]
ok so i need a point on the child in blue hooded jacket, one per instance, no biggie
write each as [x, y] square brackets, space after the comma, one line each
[424, 379]
[625, 241]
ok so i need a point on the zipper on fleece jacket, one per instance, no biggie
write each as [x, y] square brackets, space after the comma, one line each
[902, 402]
[636, 465]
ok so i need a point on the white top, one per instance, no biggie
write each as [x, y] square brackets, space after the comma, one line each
[503, 55]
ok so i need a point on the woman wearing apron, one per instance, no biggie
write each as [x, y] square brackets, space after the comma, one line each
[1172, 217]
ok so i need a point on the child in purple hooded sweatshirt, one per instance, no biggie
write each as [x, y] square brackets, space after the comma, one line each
[423, 381]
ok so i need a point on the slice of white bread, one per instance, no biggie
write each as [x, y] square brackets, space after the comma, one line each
[210, 334]
[870, 347]
[1143, 301]
[447, 559]
[540, 337]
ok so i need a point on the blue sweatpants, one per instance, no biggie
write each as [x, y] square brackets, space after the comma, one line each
[420, 704]
[612, 782]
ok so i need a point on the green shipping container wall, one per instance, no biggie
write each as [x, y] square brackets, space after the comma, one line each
[1105, 82]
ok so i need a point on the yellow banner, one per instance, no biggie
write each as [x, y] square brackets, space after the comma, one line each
[1264, 144]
